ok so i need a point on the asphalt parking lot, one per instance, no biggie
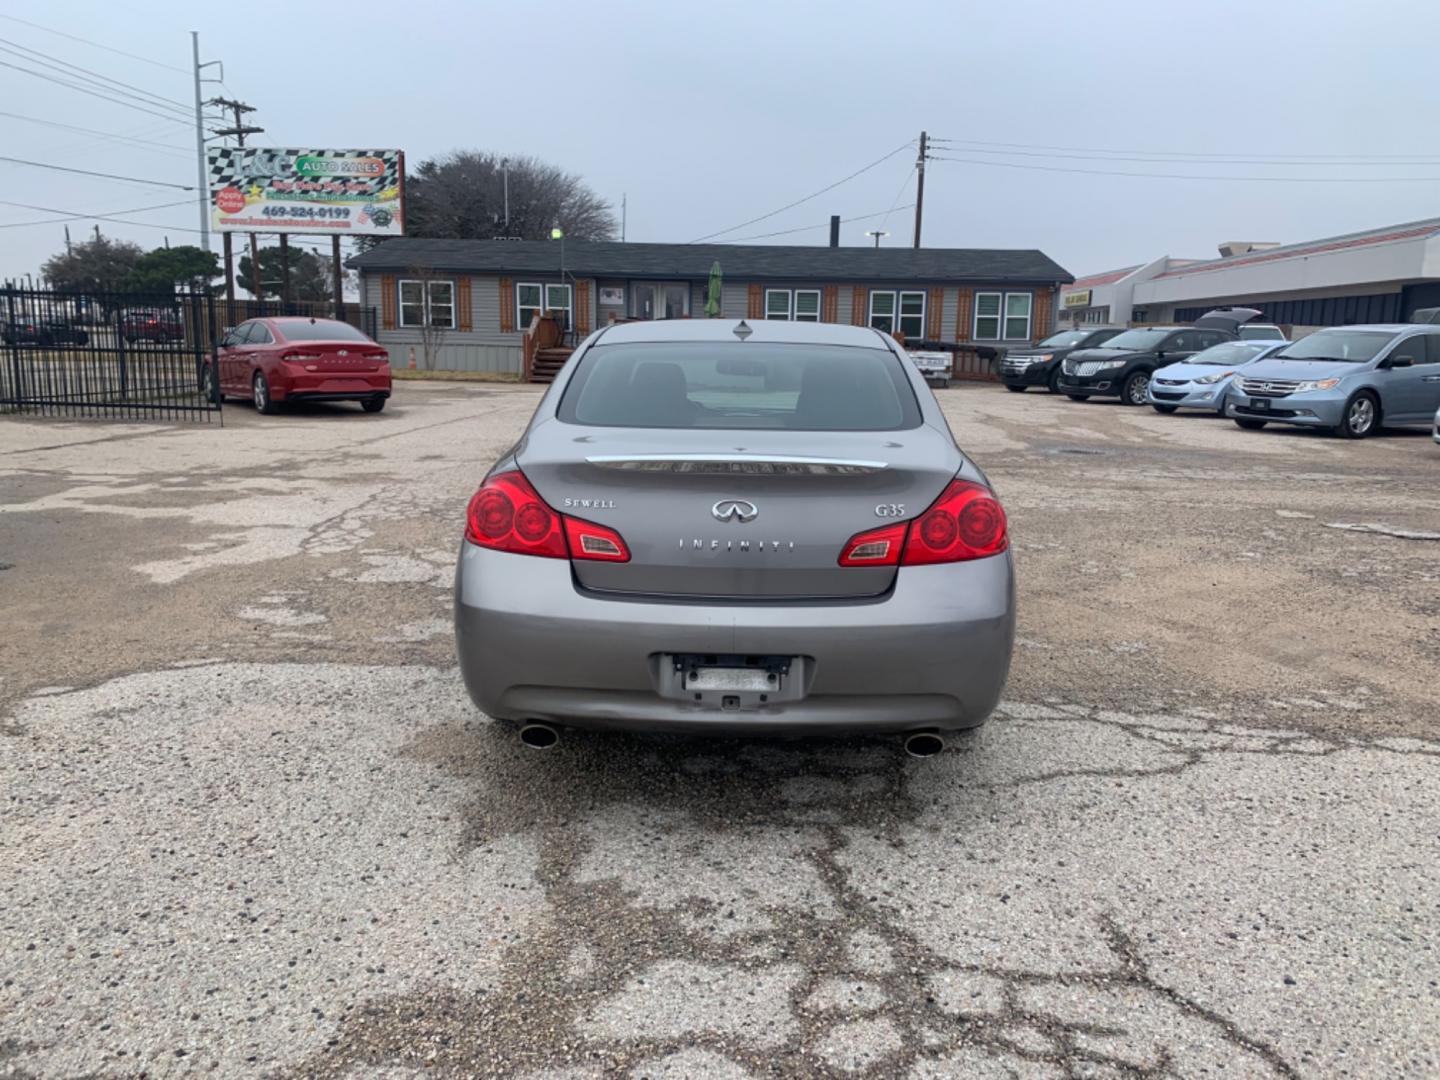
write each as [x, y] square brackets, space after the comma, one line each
[253, 825]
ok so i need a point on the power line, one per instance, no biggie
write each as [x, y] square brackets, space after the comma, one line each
[1197, 176]
[89, 74]
[894, 205]
[93, 44]
[970, 145]
[97, 134]
[1204, 161]
[815, 195]
[112, 216]
[95, 93]
[106, 175]
[826, 225]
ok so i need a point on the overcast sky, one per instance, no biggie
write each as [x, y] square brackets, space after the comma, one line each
[707, 115]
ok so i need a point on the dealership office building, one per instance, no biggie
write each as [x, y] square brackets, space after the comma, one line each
[1380, 275]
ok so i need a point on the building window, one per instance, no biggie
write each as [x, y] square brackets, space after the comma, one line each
[882, 311]
[1017, 316]
[912, 314]
[802, 305]
[1138, 315]
[987, 316]
[529, 302]
[427, 303]
[777, 304]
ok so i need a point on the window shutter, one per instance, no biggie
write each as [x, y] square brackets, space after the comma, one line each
[830, 304]
[507, 306]
[389, 297]
[1040, 317]
[582, 307]
[756, 303]
[935, 315]
[464, 319]
[963, 311]
[859, 307]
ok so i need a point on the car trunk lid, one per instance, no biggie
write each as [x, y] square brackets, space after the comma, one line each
[736, 514]
[335, 356]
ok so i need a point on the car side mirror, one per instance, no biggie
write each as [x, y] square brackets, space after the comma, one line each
[1397, 361]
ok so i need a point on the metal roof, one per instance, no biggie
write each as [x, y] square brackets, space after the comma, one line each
[692, 261]
[1388, 234]
[1108, 277]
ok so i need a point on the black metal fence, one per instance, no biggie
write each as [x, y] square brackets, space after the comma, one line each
[115, 355]
[234, 312]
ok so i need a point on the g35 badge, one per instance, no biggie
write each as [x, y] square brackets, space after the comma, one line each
[890, 510]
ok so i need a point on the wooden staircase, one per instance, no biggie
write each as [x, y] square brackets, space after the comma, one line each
[544, 350]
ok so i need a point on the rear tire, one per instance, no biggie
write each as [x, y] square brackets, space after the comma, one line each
[1249, 425]
[1360, 418]
[1078, 397]
[1015, 389]
[260, 390]
[1167, 409]
[1136, 389]
[374, 404]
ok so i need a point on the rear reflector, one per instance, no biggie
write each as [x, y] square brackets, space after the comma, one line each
[507, 514]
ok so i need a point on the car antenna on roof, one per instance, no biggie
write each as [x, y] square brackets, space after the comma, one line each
[742, 330]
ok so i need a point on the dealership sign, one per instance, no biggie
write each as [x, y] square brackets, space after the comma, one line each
[261, 189]
[1078, 298]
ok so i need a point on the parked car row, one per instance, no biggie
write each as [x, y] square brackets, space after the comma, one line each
[1348, 380]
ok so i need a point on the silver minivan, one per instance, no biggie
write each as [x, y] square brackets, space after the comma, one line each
[1349, 380]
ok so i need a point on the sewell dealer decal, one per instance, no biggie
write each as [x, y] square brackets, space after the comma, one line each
[262, 189]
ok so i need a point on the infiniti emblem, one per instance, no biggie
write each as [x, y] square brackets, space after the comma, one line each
[735, 510]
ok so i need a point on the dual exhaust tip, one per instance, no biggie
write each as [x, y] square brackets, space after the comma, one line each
[918, 744]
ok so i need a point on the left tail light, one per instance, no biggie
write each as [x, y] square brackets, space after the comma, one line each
[966, 522]
[507, 514]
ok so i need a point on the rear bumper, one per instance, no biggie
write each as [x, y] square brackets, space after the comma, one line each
[932, 653]
[322, 386]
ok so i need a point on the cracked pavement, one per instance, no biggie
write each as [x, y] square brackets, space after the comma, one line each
[253, 826]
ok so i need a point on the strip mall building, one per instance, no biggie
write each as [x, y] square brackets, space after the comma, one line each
[1381, 275]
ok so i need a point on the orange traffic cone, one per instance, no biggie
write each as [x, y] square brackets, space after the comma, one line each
[412, 357]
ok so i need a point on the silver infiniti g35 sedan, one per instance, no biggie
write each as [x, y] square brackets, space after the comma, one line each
[711, 526]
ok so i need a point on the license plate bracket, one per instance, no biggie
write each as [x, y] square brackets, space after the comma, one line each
[1260, 404]
[732, 681]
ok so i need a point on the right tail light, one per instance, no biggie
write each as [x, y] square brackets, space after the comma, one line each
[966, 522]
[507, 514]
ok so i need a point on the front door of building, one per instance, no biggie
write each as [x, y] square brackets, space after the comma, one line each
[659, 299]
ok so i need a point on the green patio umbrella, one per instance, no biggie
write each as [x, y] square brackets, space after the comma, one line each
[712, 295]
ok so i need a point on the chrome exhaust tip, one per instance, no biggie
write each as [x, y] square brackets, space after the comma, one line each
[924, 744]
[539, 736]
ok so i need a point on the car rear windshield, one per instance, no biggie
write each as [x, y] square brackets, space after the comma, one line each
[740, 385]
[1135, 339]
[320, 330]
[1355, 346]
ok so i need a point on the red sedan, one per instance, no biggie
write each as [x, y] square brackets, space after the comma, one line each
[271, 361]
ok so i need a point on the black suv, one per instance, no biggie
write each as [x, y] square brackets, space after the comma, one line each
[1122, 367]
[43, 332]
[1039, 365]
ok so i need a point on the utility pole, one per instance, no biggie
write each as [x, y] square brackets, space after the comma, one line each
[623, 208]
[67, 239]
[238, 129]
[505, 173]
[201, 187]
[919, 186]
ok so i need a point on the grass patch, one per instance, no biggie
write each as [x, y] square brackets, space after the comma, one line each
[406, 375]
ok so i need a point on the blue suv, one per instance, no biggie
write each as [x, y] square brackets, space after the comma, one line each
[1349, 380]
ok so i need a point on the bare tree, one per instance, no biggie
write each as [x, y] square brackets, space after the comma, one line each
[461, 196]
[432, 335]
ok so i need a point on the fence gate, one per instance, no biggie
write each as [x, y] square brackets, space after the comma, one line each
[112, 355]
